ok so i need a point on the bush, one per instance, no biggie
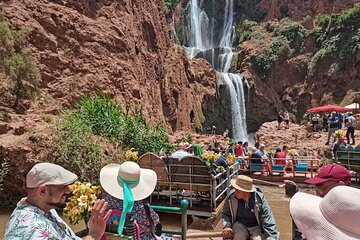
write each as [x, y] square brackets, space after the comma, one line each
[294, 33]
[17, 63]
[101, 115]
[169, 4]
[338, 38]
[77, 150]
[96, 123]
[244, 30]
[3, 171]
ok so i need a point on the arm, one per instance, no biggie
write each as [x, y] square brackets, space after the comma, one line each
[226, 214]
[268, 220]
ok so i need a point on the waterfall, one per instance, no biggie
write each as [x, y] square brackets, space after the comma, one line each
[216, 48]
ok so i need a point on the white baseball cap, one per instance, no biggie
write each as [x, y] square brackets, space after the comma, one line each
[49, 174]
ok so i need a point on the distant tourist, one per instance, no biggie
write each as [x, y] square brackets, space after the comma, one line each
[286, 119]
[226, 133]
[246, 148]
[181, 151]
[246, 213]
[239, 149]
[213, 130]
[333, 123]
[279, 119]
[315, 122]
[350, 124]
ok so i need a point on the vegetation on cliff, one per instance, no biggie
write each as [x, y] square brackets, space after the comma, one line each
[17, 63]
[93, 134]
[3, 172]
[336, 36]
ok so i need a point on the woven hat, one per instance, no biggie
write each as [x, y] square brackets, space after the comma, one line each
[49, 174]
[334, 217]
[142, 181]
[331, 172]
[243, 183]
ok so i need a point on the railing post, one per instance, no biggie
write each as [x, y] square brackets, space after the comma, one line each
[227, 181]
[183, 206]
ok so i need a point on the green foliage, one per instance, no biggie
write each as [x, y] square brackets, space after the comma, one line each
[264, 58]
[169, 4]
[76, 149]
[136, 133]
[4, 169]
[294, 33]
[17, 63]
[78, 146]
[338, 38]
[101, 114]
[244, 30]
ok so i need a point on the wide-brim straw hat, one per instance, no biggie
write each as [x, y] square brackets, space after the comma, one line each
[129, 171]
[243, 183]
[334, 217]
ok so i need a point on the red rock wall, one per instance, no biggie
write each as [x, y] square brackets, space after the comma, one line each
[116, 47]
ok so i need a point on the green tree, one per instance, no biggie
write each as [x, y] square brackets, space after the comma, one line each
[17, 63]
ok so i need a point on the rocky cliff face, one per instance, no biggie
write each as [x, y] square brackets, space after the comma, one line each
[120, 48]
[115, 47]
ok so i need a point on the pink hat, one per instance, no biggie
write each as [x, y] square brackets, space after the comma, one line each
[334, 217]
[331, 172]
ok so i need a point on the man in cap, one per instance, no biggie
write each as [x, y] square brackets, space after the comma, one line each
[330, 176]
[246, 213]
[35, 217]
[350, 124]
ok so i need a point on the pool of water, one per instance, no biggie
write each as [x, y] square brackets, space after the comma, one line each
[279, 204]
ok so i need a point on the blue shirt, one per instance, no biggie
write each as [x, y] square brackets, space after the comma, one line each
[245, 213]
[335, 122]
[221, 161]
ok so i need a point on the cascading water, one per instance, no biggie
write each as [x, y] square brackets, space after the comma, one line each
[216, 47]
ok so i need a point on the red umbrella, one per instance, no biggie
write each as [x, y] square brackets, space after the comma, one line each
[328, 108]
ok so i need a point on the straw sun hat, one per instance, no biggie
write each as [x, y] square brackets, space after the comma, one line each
[142, 181]
[243, 183]
[334, 217]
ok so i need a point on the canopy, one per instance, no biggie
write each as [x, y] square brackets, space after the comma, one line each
[353, 106]
[328, 108]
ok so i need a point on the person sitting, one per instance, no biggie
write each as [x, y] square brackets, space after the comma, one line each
[35, 217]
[337, 146]
[126, 186]
[181, 151]
[197, 150]
[239, 149]
[221, 161]
[246, 213]
[280, 157]
[246, 148]
[256, 156]
[334, 217]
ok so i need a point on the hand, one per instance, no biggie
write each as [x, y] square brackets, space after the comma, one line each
[98, 219]
[228, 233]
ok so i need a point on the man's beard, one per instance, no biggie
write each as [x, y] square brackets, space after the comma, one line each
[58, 205]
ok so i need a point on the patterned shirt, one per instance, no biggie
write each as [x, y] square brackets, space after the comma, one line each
[29, 222]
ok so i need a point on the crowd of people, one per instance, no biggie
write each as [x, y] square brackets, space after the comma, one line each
[333, 122]
[333, 214]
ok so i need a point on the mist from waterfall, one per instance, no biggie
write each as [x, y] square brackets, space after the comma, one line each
[216, 47]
